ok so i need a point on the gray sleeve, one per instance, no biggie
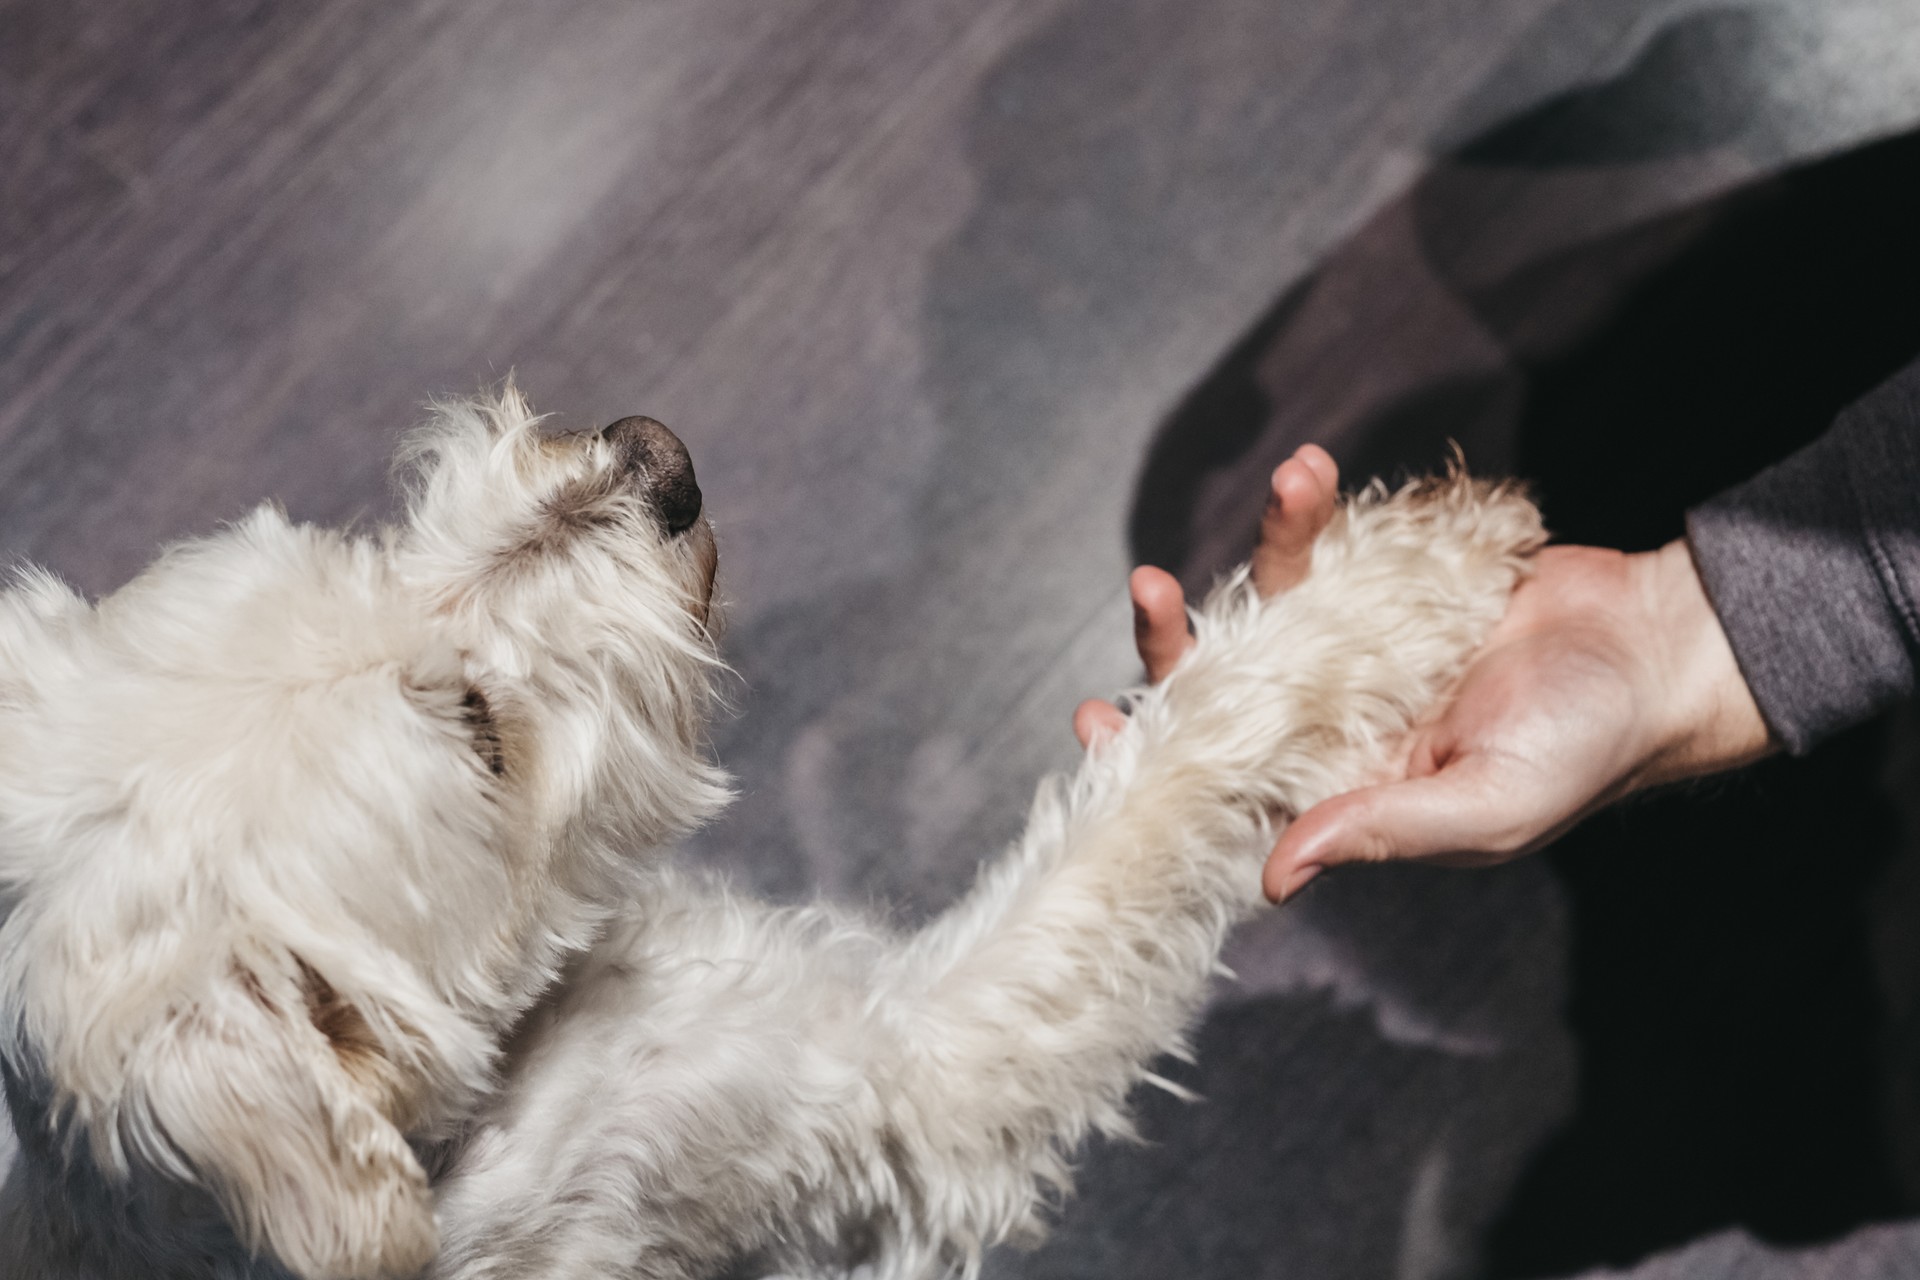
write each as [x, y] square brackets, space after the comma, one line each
[1813, 567]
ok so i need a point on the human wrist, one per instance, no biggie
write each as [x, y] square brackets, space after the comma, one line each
[1706, 719]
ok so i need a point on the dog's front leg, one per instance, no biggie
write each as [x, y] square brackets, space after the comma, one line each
[1019, 1021]
[723, 1081]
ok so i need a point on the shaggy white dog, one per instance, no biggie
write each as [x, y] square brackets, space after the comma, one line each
[328, 861]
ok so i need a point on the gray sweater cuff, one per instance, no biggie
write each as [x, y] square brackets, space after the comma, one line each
[1813, 567]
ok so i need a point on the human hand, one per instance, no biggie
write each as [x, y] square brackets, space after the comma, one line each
[1608, 674]
[1300, 502]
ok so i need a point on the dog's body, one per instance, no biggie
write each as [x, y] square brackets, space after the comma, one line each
[296, 830]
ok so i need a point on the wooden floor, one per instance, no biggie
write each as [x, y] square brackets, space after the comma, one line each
[963, 306]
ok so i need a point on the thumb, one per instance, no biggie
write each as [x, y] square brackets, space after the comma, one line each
[1443, 816]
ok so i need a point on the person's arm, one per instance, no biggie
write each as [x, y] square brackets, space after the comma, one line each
[1788, 614]
[1814, 569]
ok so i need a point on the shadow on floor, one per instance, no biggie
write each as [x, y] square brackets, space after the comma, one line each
[1631, 354]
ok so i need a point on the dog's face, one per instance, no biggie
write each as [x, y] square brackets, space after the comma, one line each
[295, 824]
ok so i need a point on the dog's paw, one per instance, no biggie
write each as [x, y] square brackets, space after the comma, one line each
[1287, 699]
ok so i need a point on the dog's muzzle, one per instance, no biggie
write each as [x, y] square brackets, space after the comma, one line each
[659, 466]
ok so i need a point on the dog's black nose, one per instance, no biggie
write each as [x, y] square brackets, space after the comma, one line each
[660, 465]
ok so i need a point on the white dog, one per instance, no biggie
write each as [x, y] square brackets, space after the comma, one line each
[328, 861]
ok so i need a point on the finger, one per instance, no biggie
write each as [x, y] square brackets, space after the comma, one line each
[1301, 502]
[1452, 818]
[1322, 465]
[1095, 719]
[1159, 620]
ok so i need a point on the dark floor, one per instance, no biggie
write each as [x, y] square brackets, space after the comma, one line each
[962, 306]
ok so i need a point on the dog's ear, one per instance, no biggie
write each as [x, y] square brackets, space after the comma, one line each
[275, 1096]
[38, 613]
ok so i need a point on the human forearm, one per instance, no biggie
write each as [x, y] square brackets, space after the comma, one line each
[1814, 568]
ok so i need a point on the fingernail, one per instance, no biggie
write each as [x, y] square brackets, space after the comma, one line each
[1299, 878]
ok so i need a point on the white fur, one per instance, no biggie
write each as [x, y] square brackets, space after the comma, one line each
[273, 920]
[244, 791]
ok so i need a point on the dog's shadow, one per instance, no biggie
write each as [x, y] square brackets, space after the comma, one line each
[1741, 994]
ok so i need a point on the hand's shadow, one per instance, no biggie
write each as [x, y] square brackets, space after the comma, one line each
[1742, 1040]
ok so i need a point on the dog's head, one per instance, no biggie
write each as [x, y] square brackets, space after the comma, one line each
[294, 824]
